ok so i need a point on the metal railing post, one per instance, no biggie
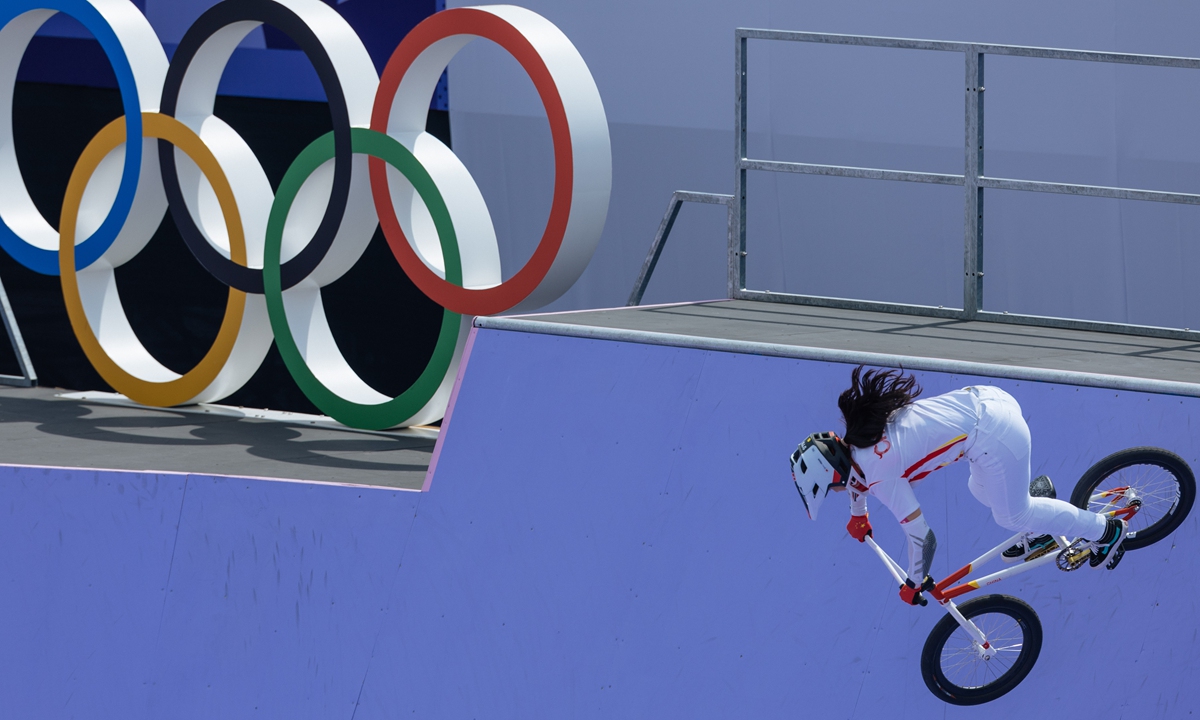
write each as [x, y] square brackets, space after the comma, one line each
[737, 234]
[973, 226]
[28, 377]
[656, 248]
[678, 198]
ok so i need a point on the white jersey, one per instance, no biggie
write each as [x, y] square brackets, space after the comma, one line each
[930, 434]
[921, 437]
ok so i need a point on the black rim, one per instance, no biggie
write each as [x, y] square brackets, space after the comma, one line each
[971, 673]
[1164, 483]
[951, 666]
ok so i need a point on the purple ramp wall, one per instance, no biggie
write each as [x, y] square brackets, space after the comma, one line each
[633, 547]
[611, 531]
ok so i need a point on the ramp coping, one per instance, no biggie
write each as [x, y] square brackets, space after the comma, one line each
[854, 357]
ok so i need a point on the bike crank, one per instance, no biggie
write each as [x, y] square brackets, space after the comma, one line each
[1074, 556]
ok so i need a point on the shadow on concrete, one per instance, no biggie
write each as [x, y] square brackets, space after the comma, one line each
[118, 436]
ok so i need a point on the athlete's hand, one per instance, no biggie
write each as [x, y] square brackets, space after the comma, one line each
[859, 527]
[910, 592]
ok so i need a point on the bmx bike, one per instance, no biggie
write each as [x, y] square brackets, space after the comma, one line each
[985, 647]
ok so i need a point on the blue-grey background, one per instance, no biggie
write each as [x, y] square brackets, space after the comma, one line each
[665, 72]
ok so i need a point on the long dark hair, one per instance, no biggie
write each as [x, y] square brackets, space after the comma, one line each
[872, 398]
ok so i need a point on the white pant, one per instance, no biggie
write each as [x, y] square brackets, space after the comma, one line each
[999, 458]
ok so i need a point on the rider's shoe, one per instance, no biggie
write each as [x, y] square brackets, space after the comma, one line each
[1109, 544]
[1029, 548]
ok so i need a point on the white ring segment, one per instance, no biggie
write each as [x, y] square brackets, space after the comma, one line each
[590, 148]
[148, 63]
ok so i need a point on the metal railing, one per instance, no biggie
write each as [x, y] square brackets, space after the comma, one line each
[27, 378]
[678, 198]
[973, 180]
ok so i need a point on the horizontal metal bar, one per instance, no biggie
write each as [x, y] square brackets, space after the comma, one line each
[1101, 191]
[949, 46]
[1089, 190]
[1090, 56]
[850, 357]
[17, 381]
[848, 304]
[986, 316]
[852, 172]
[703, 197]
[1091, 325]
[836, 39]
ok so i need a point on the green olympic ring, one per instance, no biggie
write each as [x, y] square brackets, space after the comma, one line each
[373, 416]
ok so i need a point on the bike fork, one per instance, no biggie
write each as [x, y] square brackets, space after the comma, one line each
[982, 646]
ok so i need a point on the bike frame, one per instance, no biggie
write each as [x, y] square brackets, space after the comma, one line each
[945, 591]
[944, 594]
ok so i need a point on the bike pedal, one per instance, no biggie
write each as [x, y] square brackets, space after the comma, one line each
[1041, 552]
[1116, 558]
[1073, 556]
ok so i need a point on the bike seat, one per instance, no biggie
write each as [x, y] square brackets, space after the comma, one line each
[1041, 486]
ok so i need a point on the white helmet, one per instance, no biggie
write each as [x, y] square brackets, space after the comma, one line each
[822, 462]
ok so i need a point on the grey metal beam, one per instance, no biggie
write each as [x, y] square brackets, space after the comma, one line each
[736, 279]
[28, 377]
[973, 205]
[850, 304]
[850, 172]
[982, 316]
[1089, 190]
[836, 39]
[1092, 325]
[988, 49]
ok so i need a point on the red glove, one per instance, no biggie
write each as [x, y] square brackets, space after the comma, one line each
[910, 593]
[859, 527]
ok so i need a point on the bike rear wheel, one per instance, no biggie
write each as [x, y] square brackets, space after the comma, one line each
[951, 665]
[1162, 480]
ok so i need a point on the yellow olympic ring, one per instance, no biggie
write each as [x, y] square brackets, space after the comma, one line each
[163, 390]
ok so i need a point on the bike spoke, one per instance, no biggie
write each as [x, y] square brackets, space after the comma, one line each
[961, 662]
[1157, 488]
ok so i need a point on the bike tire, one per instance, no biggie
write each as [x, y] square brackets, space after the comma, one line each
[1011, 626]
[1162, 476]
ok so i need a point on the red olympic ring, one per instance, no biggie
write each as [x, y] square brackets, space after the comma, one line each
[510, 293]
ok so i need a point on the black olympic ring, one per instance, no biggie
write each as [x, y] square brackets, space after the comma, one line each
[295, 270]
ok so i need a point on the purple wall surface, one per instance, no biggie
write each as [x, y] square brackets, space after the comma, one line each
[611, 531]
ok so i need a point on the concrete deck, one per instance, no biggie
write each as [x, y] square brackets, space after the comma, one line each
[39, 428]
[1093, 358]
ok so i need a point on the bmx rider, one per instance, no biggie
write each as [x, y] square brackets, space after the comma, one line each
[893, 440]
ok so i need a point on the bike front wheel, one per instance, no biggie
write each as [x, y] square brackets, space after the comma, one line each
[954, 668]
[1160, 480]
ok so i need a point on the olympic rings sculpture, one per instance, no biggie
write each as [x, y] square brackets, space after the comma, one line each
[276, 249]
